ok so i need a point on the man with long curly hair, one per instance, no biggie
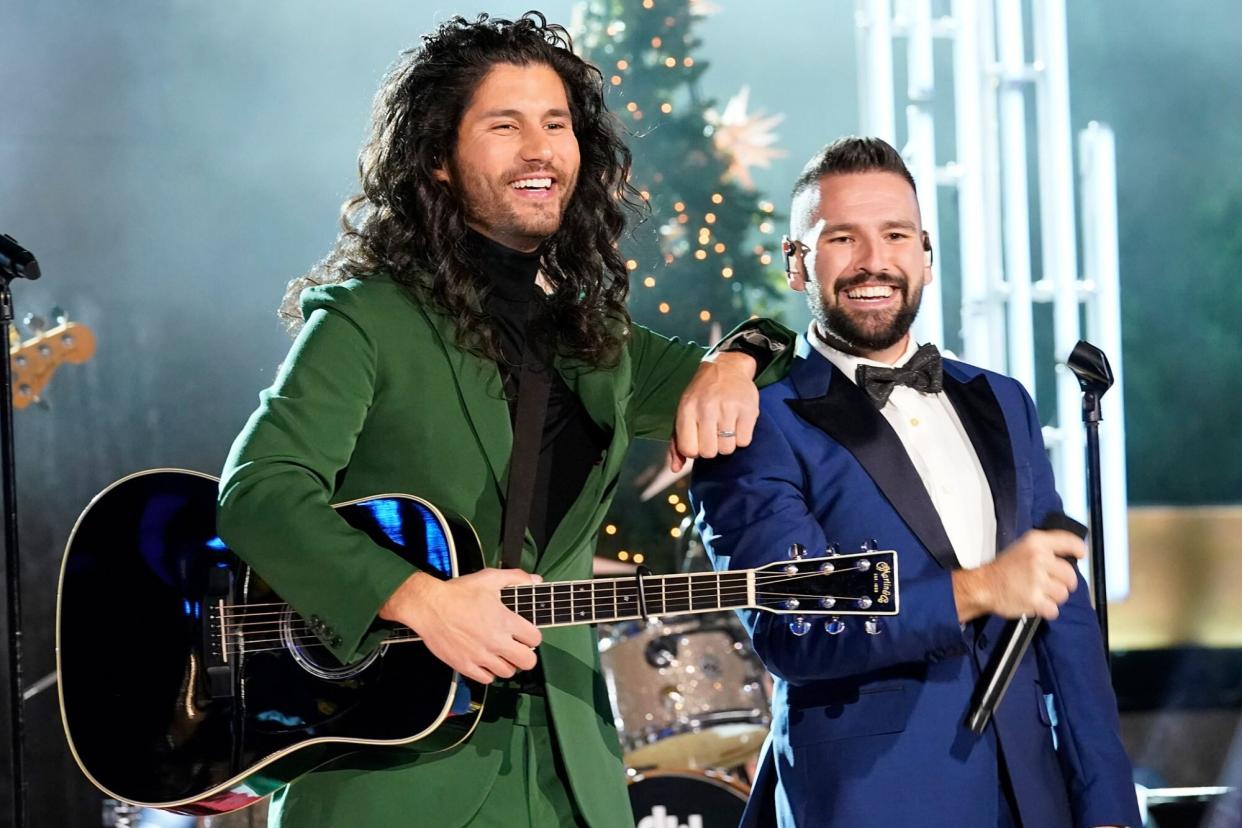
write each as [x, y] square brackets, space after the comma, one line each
[483, 244]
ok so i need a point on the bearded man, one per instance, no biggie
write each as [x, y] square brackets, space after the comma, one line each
[483, 246]
[871, 436]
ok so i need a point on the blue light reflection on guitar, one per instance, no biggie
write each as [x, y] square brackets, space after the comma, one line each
[187, 684]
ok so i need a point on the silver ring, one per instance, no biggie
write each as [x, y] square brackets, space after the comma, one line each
[725, 434]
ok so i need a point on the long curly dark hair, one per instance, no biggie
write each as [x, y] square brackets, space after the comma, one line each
[411, 226]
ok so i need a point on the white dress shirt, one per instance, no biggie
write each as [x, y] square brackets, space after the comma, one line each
[941, 452]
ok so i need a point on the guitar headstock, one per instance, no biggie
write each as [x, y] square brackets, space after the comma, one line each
[34, 360]
[834, 585]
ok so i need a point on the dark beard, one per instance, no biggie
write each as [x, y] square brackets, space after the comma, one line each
[840, 331]
[839, 326]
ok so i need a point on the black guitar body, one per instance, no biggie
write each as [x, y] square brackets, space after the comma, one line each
[187, 684]
[165, 704]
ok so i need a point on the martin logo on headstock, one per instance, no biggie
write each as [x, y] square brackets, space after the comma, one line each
[867, 579]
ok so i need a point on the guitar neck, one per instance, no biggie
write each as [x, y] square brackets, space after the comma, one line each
[606, 600]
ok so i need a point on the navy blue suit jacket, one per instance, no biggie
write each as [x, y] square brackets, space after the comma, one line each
[870, 730]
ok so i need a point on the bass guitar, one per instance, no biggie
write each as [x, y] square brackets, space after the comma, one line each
[187, 684]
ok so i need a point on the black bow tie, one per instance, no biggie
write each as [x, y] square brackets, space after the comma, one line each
[922, 373]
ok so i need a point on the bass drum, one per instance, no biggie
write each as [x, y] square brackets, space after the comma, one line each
[686, 692]
[686, 799]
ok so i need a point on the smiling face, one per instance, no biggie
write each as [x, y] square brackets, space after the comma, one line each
[861, 260]
[515, 162]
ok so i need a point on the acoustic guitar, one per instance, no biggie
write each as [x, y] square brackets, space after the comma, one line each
[187, 684]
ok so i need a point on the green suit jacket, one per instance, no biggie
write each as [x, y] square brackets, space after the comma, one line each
[375, 397]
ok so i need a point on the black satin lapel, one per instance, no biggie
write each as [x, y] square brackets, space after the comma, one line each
[981, 416]
[847, 415]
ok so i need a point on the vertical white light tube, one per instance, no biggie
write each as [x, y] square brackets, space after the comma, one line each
[1060, 248]
[920, 154]
[969, 132]
[1102, 266]
[1015, 223]
[990, 162]
[874, 37]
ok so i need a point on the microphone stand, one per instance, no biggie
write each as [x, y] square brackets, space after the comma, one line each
[15, 262]
[1095, 376]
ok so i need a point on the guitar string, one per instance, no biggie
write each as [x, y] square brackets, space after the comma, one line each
[254, 627]
[705, 588]
[298, 627]
[681, 603]
[558, 609]
[250, 646]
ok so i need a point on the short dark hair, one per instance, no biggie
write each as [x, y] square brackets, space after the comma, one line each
[852, 155]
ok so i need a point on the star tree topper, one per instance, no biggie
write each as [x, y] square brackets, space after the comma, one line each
[747, 138]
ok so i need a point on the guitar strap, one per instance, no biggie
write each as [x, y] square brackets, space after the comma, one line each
[532, 406]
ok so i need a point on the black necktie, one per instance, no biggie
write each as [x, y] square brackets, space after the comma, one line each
[922, 373]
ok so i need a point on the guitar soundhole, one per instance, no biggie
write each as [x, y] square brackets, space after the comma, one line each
[314, 657]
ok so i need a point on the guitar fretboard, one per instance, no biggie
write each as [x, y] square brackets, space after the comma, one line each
[617, 599]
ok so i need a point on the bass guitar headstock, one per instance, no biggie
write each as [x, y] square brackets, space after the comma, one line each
[34, 360]
[833, 585]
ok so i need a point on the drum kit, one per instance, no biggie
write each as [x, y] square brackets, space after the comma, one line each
[690, 701]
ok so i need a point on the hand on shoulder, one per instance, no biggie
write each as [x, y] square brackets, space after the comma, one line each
[718, 409]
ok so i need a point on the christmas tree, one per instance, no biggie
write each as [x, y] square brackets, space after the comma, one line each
[704, 255]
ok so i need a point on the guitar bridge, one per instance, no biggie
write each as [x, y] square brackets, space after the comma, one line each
[218, 660]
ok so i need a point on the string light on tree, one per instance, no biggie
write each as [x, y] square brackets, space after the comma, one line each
[691, 274]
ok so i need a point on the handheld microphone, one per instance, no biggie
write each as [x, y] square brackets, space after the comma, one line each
[1014, 641]
[16, 262]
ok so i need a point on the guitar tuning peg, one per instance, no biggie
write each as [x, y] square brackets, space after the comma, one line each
[872, 626]
[797, 551]
[34, 323]
[870, 545]
[58, 315]
[834, 625]
[799, 626]
[833, 550]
